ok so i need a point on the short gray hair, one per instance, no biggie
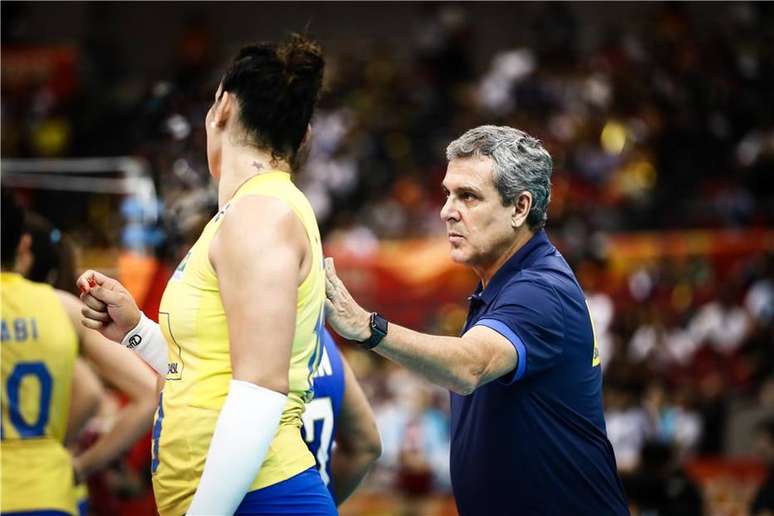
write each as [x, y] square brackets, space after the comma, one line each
[520, 163]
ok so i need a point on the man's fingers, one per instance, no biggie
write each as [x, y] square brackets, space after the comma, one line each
[329, 309]
[328, 261]
[93, 303]
[95, 315]
[94, 325]
[329, 287]
[333, 283]
[330, 270]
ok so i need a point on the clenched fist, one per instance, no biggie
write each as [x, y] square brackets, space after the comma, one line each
[109, 308]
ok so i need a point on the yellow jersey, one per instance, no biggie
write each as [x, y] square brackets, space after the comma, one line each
[39, 346]
[81, 494]
[193, 321]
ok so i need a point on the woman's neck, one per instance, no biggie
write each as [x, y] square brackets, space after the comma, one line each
[239, 164]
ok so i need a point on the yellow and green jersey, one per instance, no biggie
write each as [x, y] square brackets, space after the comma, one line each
[193, 321]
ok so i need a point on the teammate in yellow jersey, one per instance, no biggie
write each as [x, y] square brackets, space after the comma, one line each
[43, 401]
[242, 316]
[50, 258]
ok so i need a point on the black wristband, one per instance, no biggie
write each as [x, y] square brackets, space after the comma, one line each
[378, 325]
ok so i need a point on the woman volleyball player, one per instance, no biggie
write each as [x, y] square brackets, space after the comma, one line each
[242, 316]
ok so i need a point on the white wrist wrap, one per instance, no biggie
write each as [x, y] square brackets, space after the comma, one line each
[146, 340]
[246, 427]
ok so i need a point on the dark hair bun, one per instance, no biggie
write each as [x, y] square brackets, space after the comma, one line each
[277, 87]
[303, 61]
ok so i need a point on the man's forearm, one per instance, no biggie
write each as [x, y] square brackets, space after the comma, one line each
[445, 361]
[450, 362]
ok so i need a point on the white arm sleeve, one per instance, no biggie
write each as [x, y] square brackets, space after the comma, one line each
[246, 427]
[147, 341]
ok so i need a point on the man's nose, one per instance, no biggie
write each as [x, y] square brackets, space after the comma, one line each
[448, 211]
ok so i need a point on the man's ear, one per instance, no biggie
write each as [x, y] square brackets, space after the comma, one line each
[520, 209]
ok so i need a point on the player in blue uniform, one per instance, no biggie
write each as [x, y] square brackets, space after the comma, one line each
[339, 413]
[320, 415]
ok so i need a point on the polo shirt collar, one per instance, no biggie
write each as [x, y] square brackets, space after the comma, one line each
[537, 246]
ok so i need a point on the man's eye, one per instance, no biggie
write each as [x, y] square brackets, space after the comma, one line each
[468, 196]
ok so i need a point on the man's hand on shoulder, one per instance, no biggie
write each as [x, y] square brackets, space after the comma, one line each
[346, 317]
[108, 307]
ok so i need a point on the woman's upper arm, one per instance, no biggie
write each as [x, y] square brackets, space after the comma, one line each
[257, 254]
[356, 425]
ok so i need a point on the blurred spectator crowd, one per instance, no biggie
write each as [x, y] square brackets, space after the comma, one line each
[666, 123]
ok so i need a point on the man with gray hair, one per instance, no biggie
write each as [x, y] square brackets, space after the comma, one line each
[527, 426]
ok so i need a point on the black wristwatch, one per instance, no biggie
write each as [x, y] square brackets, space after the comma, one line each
[378, 326]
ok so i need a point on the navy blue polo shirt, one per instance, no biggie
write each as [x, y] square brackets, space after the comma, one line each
[533, 442]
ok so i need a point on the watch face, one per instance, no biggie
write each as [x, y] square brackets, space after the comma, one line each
[379, 324]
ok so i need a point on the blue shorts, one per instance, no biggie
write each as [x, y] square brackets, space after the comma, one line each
[301, 495]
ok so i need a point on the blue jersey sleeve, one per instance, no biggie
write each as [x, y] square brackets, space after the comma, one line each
[529, 314]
